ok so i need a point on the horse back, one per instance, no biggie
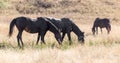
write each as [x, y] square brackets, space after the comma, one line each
[68, 24]
[102, 22]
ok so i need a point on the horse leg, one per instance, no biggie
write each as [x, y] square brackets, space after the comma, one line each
[108, 30]
[42, 36]
[38, 38]
[96, 30]
[101, 30]
[69, 37]
[63, 35]
[19, 38]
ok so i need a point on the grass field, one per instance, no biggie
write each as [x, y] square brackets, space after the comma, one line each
[101, 48]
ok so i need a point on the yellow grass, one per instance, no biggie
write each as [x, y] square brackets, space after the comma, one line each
[102, 48]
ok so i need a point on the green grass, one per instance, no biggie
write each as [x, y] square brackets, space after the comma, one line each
[65, 45]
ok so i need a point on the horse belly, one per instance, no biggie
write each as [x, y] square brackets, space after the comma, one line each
[31, 30]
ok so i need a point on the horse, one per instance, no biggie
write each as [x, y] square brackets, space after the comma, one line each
[39, 26]
[66, 26]
[101, 23]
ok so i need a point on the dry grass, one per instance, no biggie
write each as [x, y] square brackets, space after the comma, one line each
[79, 54]
[102, 48]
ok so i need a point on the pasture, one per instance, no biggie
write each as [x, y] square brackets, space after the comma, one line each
[101, 48]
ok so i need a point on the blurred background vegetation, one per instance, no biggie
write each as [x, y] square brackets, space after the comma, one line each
[76, 9]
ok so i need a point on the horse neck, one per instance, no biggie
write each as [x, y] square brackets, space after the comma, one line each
[76, 30]
[52, 27]
[93, 28]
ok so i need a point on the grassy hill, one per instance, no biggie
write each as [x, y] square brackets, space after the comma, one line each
[82, 10]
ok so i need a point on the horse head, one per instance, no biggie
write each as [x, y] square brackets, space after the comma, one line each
[81, 37]
[94, 25]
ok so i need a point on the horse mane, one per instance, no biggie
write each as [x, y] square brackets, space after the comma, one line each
[49, 21]
[76, 29]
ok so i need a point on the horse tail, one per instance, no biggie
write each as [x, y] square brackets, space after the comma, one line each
[109, 27]
[11, 27]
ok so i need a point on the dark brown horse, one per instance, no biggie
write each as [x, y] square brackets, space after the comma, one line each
[101, 23]
[39, 26]
[66, 26]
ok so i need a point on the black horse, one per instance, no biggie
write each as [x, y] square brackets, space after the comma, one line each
[39, 26]
[102, 23]
[65, 25]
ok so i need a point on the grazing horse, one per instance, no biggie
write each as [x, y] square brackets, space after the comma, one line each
[65, 25]
[39, 26]
[102, 23]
